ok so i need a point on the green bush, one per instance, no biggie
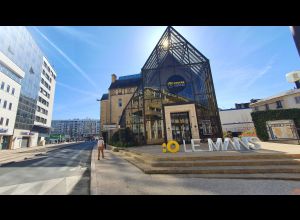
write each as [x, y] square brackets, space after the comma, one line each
[123, 138]
[227, 134]
[261, 117]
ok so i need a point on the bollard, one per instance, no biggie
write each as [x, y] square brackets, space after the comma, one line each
[164, 148]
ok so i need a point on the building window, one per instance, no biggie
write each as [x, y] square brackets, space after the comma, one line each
[13, 91]
[8, 88]
[1, 121]
[297, 99]
[120, 102]
[2, 85]
[207, 128]
[7, 121]
[267, 107]
[278, 104]
[9, 107]
[4, 104]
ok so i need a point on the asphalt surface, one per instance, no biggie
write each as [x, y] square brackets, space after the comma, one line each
[63, 171]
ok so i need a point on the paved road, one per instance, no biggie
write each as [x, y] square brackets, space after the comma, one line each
[116, 176]
[60, 172]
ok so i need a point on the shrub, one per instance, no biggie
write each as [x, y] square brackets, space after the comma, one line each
[249, 133]
[227, 134]
[123, 138]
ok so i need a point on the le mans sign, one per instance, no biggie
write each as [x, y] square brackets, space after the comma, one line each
[176, 84]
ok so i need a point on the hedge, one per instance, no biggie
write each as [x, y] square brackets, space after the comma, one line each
[261, 117]
[123, 138]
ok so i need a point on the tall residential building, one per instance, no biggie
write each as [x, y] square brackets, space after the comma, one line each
[35, 105]
[76, 128]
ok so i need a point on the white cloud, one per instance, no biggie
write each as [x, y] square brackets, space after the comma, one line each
[238, 80]
[79, 35]
[77, 90]
[83, 73]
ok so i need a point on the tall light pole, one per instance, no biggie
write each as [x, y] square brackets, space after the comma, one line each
[295, 75]
[296, 35]
[99, 100]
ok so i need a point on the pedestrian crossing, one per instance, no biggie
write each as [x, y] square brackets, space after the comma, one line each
[58, 186]
[55, 173]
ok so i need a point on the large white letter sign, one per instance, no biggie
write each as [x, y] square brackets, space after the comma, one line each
[185, 149]
[215, 146]
[228, 143]
[239, 143]
[195, 145]
[254, 140]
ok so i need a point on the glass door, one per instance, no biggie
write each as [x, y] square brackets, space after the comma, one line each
[181, 129]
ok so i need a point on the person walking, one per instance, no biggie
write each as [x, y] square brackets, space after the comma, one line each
[100, 144]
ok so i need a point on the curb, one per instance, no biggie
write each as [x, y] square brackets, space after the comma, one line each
[93, 180]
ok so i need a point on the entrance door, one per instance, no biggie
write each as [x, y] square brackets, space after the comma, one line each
[181, 129]
[5, 142]
[24, 142]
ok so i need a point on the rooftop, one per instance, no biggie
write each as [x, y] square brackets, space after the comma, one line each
[104, 97]
[126, 81]
[285, 93]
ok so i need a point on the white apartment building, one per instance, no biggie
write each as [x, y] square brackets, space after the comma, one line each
[10, 87]
[43, 114]
[285, 100]
[37, 87]
[76, 128]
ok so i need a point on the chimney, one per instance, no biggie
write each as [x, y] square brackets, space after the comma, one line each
[113, 78]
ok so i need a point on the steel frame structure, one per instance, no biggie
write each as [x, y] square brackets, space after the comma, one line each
[182, 57]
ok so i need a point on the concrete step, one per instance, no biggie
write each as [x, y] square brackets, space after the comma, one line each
[258, 162]
[268, 176]
[213, 156]
[223, 170]
[148, 169]
[201, 163]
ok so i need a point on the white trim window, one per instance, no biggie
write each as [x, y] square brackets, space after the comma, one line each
[297, 99]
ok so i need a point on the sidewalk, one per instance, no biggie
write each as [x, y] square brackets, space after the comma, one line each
[115, 176]
[9, 156]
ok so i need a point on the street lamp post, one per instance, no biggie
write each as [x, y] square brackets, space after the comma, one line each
[99, 100]
[296, 35]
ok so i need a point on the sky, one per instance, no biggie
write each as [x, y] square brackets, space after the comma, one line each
[246, 62]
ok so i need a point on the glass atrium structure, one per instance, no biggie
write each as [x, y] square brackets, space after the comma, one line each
[178, 77]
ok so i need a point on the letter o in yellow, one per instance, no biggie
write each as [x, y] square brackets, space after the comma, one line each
[175, 149]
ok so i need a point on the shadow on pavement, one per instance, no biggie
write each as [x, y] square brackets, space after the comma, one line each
[82, 187]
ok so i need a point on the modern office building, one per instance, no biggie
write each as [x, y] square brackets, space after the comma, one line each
[10, 87]
[173, 97]
[76, 128]
[30, 127]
